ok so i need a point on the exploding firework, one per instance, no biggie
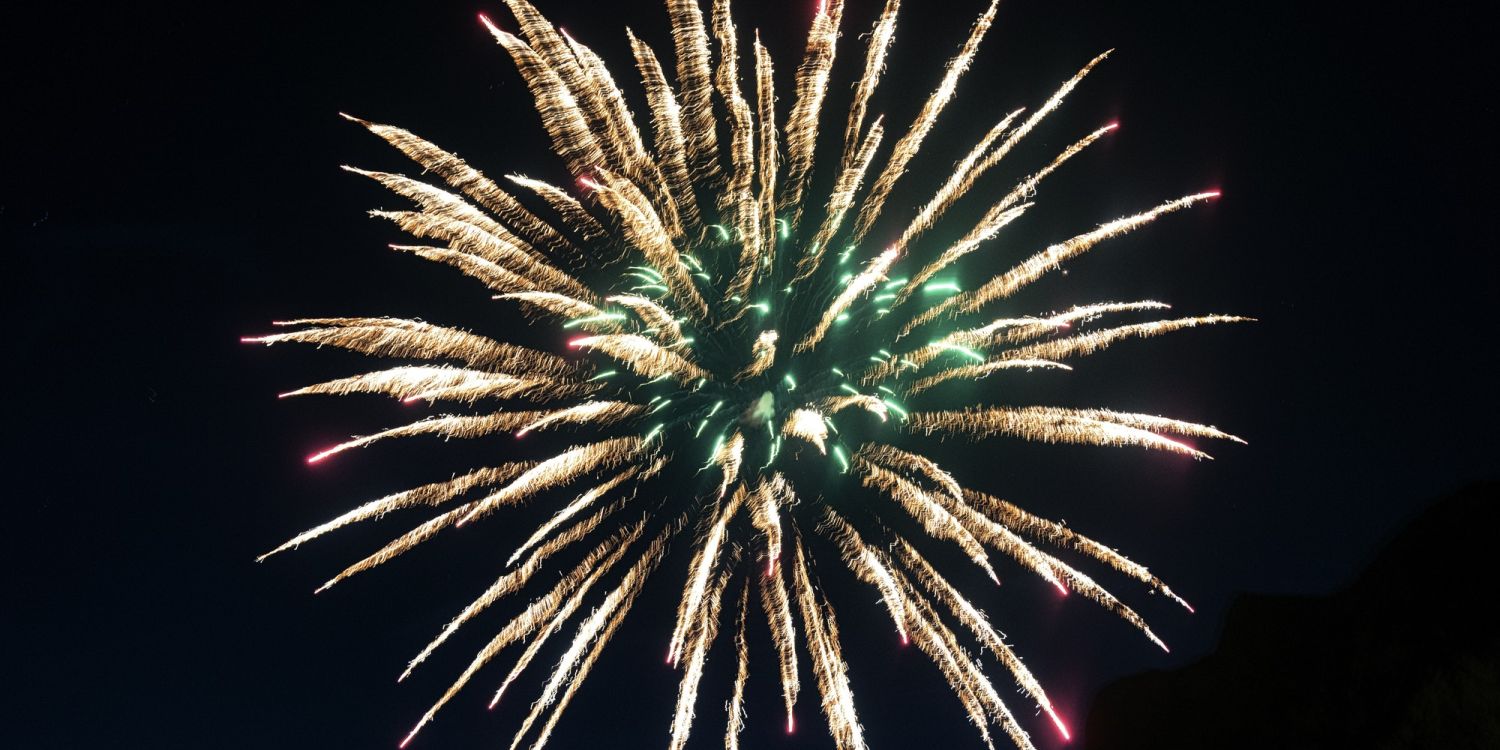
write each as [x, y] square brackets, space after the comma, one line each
[729, 336]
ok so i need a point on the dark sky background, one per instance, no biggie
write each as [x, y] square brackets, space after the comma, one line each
[169, 183]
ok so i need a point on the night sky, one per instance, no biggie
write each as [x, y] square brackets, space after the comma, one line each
[170, 183]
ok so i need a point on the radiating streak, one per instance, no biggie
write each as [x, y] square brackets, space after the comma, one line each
[949, 192]
[508, 253]
[874, 273]
[972, 175]
[705, 630]
[1005, 331]
[1055, 533]
[653, 315]
[975, 372]
[762, 355]
[808, 425]
[1052, 258]
[828, 663]
[872, 404]
[777, 607]
[436, 382]
[448, 426]
[562, 306]
[396, 337]
[1089, 343]
[928, 509]
[471, 182]
[401, 544]
[587, 664]
[491, 274]
[875, 51]
[695, 84]
[705, 560]
[736, 709]
[562, 117]
[1056, 425]
[737, 201]
[643, 229]
[770, 494]
[642, 355]
[572, 212]
[907, 147]
[432, 494]
[988, 226]
[558, 470]
[578, 505]
[588, 412]
[912, 463]
[517, 578]
[766, 148]
[667, 127]
[802, 121]
[979, 625]
[572, 587]
[841, 199]
[908, 609]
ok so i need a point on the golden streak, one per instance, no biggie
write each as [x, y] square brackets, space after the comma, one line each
[437, 383]
[596, 629]
[765, 95]
[666, 124]
[653, 315]
[812, 87]
[448, 426]
[572, 509]
[509, 253]
[843, 197]
[572, 587]
[808, 425]
[642, 355]
[643, 229]
[874, 273]
[738, 201]
[433, 494]
[396, 337]
[588, 412]
[1058, 534]
[828, 663]
[762, 355]
[777, 607]
[736, 722]
[875, 52]
[1088, 343]
[1051, 259]
[977, 623]
[695, 82]
[928, 508]
[950, 191]
[975, 372]
[1055, 425]
[471, 182]
[577, 218]
[558, 470]
[836, 404]
[705, 560]
[517, 578]
[562, 117]
[907, 147]
[911, 463]
[705, 629]
[770, 494]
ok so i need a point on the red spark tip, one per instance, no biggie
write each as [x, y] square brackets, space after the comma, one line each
[316, 457]
[1216, 192]
[403, 742]
[791, 725]
[1113, 125]
[249, 339]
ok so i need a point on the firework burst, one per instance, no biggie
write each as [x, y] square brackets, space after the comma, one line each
[727, 335]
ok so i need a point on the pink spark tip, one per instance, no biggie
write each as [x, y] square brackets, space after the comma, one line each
[316, 457]
[791, 724]
[1113, 126]
[1061, 727]
[250, 339]
[1213, 193]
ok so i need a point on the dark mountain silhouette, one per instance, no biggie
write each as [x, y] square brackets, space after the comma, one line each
[1408, 656]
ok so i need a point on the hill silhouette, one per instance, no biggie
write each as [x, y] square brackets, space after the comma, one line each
[1408, 656]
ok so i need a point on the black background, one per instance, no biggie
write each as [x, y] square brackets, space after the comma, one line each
[169, 184]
